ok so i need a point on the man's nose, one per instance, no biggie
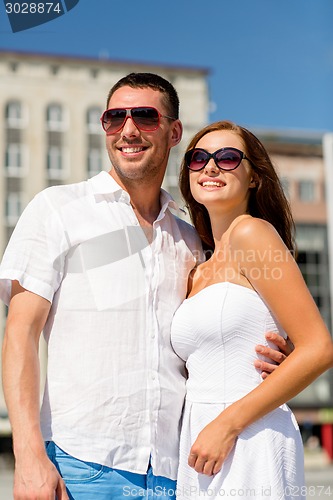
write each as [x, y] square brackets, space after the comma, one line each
[129, 128]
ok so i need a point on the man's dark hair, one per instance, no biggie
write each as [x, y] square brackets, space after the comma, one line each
[152, 81]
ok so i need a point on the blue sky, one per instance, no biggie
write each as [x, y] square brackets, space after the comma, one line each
[270, 61]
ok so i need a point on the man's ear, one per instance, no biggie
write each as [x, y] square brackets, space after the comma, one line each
[177, 133]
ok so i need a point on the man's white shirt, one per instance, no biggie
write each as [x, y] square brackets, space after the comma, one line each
[115, 387]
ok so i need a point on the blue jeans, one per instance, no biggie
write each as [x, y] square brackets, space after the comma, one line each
[90, 481]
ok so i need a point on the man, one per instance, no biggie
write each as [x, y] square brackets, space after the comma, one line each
[101, 266]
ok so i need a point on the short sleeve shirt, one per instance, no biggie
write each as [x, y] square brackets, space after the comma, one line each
[115, 387]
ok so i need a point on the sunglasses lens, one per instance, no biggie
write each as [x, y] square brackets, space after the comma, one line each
[145, 118]
[196, 159]
[228, 159]
[225, 158]
[113, 120]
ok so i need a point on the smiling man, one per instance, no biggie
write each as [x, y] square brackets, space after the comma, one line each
[100, 267]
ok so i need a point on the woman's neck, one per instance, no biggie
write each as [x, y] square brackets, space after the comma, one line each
[222, 222]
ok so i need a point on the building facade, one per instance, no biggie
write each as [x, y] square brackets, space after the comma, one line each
[300, 162]
[51, 132]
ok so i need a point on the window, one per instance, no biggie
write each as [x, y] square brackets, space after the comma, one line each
[306, 191]
[93, 120]
[313, 262]
[323, 191]
[14, 208]
[13, 66]
[54, 70]
[55, 142]
[172, 173]
[95, 143]
[94, 73]
[13, 159]
[14, 115]
[54, 117]
[314, 271]
[285, 186]
[94, 162]
[55, 162]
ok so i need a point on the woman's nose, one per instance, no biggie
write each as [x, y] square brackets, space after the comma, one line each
[211, 166]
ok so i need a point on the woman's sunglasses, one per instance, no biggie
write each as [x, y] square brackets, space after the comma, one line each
[225, 158]
[145, 118]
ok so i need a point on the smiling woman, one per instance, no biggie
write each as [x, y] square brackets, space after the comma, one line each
[265, 186]
[238, 434]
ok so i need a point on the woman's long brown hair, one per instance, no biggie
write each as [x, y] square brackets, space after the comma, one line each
[267, 200]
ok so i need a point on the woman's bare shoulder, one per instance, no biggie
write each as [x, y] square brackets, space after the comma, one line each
[252, 231]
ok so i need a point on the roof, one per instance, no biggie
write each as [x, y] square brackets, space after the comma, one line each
[100, 61]
[292, 142]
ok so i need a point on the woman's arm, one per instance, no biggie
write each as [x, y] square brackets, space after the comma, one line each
[277, 278]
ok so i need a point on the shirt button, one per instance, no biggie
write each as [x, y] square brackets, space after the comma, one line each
[153, 376]
[153, 335]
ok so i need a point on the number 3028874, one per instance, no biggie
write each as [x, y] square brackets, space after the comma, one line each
[33, 8]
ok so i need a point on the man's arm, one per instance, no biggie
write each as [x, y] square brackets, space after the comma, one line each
[35, 475]
[285, 348]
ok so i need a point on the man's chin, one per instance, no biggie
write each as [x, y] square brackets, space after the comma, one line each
[138, 175]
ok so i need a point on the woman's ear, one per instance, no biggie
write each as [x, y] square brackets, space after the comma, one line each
[254, 181]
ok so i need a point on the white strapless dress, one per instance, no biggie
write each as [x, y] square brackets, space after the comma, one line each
[215, 333]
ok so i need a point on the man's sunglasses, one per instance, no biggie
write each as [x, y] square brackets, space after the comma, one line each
[225, 158]
[145, 118]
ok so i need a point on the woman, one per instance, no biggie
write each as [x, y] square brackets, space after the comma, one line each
[239, 438]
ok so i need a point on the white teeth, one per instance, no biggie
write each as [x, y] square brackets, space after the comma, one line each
[211, 183]
[132, 150]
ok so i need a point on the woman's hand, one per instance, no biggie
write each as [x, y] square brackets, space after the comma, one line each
[212, 446]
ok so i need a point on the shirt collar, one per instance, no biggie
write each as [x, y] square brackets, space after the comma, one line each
[104, 183]
[167, 201]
